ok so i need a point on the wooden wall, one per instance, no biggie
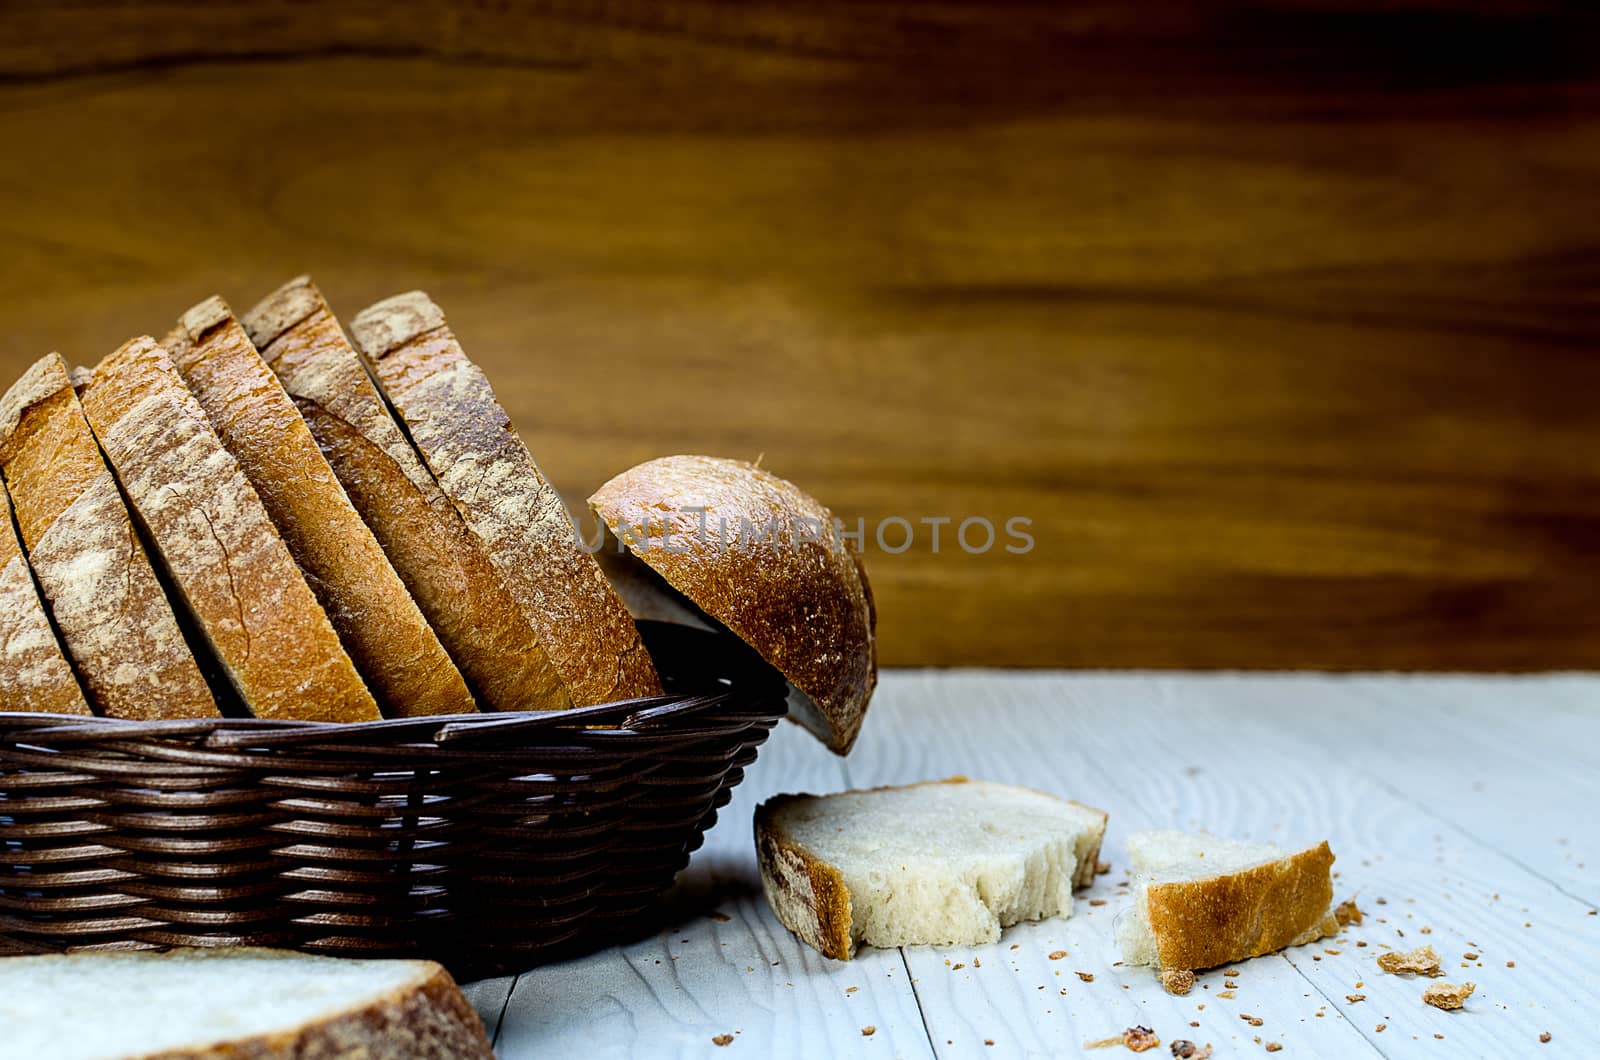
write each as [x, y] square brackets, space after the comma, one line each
[1279, 323]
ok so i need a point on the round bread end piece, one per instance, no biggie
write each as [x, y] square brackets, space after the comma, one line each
[765, 559]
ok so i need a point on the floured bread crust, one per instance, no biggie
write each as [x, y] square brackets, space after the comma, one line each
[34, 673]
[457, 587]
[113, 616]
[467, 442]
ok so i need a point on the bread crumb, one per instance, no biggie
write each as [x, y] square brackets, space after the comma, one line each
[987, 1041]
[1194, 1023]
[1230, 973]
[957, 966]
[1347, 912]
[1421, 961]
[722, 1039]
[1361, 944]
[1448, 995]
[1354, 998]
[1544, 1036]
[869, 1030]
[1380, 1028]
[977, 963]
[851, 989]
[1102, 867]
[1254, 1021]
[1511, 964]
[721, 918]
[1331, 953]
[1469, 956]
[1085, 976]
[1229, 984]
[1097, 901]
[1426, 930]
[1177, 980]
[1226, 994]
[1056, 955]
[1273, 1047]
[1184, 1049]
[1016, 945]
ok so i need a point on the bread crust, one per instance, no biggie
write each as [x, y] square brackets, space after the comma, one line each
[467, 442]
[93, 573]
[34, 672]
[459, 591]
[376, 619]
[799, 596]
[426, 1018]
[1262, 909]
[234, 572]
[808, 894]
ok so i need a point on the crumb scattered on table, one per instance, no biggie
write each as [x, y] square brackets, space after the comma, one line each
[1448, 996]
[1254, 1021]
[1273, 1047]
[722, 1039]
[1354, 998]
[869, 1030]
[1177, 981]
[1420, 961]
[1056, 955]
[1087, 977]
[1544, 1037]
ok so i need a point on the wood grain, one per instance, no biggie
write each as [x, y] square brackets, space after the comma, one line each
[1239, 755]
[1280, 327]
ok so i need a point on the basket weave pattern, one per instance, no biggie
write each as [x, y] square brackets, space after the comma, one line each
[487, 842]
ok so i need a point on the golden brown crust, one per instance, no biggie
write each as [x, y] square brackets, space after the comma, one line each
[113, 616]
[808, 895]
[378, 622]
[453, 582]
[1206, 922]
[467, 441]
[219, 546]
[34, 672]
[797, 594]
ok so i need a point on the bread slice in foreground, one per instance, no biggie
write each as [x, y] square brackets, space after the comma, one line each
[944, 862]
[34, 674]
[1199, 900]
[467, 441]
[220, 549]
[378, 622]
[113, 615]
[209, 1004]
[463, 596]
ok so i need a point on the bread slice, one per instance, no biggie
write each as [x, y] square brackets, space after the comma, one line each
[219, 547]
[452, 580]
[209, 1004]
[945, 862]
[378, 622]
[766, 559]
[92, 570]
[1199, 900]
[467, 441]
[34, 674]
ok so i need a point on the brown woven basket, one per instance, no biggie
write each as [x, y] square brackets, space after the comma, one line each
[487, 842]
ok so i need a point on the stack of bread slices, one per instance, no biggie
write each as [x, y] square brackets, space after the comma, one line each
[262, 515]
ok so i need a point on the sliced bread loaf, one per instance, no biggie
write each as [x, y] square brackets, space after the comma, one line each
[946, 862]
[211, 1004]
[92, 570]
[467, 441]
[378, 622]
[218, 545]
[34, 674]
[1199, 900]
[459, 590]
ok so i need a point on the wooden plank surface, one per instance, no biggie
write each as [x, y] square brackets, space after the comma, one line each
[1378, 765]
[1280, 327]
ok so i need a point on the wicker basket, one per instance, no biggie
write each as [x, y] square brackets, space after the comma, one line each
[486, 842]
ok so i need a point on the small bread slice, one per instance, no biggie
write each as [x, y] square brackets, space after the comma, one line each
[767, 560]
[113, 616]
[458, 589]
[1199, 900]
[467, 441]
[34, 674]
[378, 622]
[219, 547]
[199, 1004]
[945, 862]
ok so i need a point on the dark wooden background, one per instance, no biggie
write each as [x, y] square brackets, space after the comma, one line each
[1280, 323]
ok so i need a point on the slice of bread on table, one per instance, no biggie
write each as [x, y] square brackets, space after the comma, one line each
[378, 622]
[1200, 900]
[946, 862]
[467, 441]
[34, 672]
[460, 592]
[219, 547]
[93, 573]
[203, 1004]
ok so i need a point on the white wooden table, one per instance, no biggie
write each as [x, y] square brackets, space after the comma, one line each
[1463, 811]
